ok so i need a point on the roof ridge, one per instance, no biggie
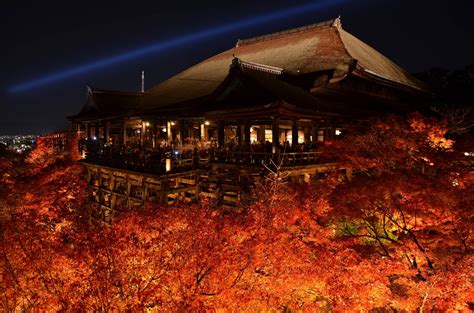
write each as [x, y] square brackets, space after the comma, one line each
[330, 23]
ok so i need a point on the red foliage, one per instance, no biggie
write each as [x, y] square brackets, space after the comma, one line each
[305, 249]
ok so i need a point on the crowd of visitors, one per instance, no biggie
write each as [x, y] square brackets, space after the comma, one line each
[182, 157]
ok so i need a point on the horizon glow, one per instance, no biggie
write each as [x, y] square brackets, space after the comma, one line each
[168, 44]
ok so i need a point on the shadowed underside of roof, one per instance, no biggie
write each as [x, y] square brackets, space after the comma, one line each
[102, 103]
[313, 48]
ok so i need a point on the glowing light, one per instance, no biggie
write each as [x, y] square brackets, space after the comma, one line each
[164, 130]
[168, 165]
[174, 42]
[207, 123]
[338, 132]
[147, 124]
[172, 123]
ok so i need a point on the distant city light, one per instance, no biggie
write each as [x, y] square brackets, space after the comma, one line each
[17, 143]
[338, 132]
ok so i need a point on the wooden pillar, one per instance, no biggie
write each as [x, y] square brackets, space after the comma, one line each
[96, 130]
[106, 131]
[275, 135]
[182, 131]
[143, 134]
[202, 132]
[315, 131]
[154, 132]
[240, 133]
[261, 134]
[294, 133]
[247, 133]
[169, 134]
[327, 132]
[123, 133]
[220, 134]
[332, 131]
[307, 135]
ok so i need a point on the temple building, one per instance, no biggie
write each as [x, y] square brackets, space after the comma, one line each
[273, 97]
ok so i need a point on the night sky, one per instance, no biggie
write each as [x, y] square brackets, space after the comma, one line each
[44, 37]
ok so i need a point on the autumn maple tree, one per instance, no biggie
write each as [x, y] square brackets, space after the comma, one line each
[397, 236]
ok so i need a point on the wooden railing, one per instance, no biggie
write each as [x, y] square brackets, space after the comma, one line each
[256, 158]
[156, 165]
[300, 158]
[234, 157]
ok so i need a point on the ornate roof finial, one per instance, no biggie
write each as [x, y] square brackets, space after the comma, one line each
[337, 22]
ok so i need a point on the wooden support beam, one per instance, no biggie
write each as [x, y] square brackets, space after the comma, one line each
[169, 134]
[182, 131]
[220, 134]
[123, 132]
[96, 130]
[154, 132]
[294, 133]
[275, 136]
[106, 131]
[247, 133]
[315, 131]
[240, 133]
[307, 135]
[143, 134]
[261, 134]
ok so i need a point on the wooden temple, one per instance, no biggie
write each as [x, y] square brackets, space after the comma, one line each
[210, 130]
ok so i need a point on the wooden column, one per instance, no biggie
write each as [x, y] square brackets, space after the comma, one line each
[169, 134]
[294, 133]
[220, 134]
[247, 133]
[315, 131]
[307, 135]
[261, 134]
[123, 133]
[275, 135]
[96, 130]
[332, 131]
[240, 133]
[182, 131]
[143, 134]
[106, 131]
[154, 132]
[202, 132]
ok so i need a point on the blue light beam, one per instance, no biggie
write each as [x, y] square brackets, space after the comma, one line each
[175, 42]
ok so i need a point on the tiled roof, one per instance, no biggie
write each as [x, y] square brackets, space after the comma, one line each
[313, 48]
